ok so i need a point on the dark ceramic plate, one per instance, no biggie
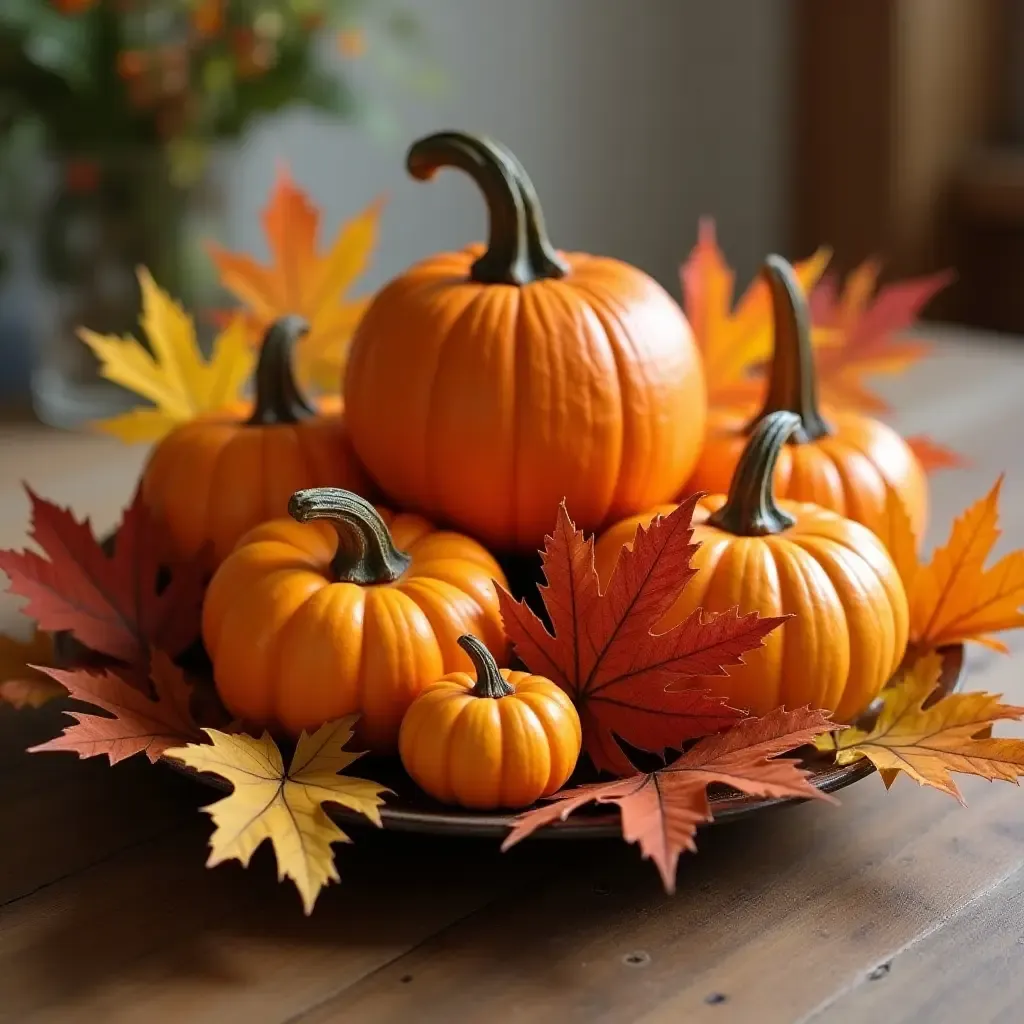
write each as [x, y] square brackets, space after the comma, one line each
[410, 810]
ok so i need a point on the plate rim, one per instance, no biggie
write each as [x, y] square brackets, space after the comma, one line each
[596, 825]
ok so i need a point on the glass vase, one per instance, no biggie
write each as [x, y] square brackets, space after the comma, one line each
[107, 215]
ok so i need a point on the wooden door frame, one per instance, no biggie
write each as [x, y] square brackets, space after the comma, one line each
[891, 97]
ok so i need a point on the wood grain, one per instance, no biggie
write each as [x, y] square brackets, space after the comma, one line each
[893, 907]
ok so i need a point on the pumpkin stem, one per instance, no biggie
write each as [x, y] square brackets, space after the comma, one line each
[278, 398]
[518, 249]
[489, 681]
[751, 509]
[792, 382]
[366, 553]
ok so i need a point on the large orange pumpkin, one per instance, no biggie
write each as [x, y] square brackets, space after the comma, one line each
[485, 386]
[842, 461]
[849, 631]
[217, 476]
[343, 609]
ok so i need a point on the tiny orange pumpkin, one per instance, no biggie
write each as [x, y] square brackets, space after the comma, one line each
[503, 739]
[331, 612]
[843, 461]
[849, 631]
[219, 475]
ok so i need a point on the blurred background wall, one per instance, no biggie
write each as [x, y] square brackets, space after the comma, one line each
[633, 119]
[889, 128]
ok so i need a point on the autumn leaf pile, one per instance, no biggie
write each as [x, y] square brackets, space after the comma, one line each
[661, 756]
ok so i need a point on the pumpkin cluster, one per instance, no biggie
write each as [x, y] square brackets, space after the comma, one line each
[482, 388]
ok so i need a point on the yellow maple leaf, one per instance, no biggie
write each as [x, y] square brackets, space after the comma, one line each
[175, 377]
[954, 598]
[21, 685]
[928, 743]
[735, 342]
[303, 281]
[283, 806]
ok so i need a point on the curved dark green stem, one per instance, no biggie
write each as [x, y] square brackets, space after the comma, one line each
[518, 250]
[489, 681]
[278, 398]
[366, 553]
[751, 510]
[792, 381]
[543, 255]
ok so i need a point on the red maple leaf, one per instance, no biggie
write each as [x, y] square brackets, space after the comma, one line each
[137, 724]
[111, 603]
[869, 325]
[661, 810]
[603, 653]
[934, 456]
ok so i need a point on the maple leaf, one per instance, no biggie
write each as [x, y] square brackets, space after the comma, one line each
[928, 743]
[661, 810]
[284, 806]
[934, 456]
[22, 684]
[867, 328]
[603, 653]
[176, 378]
[954, 598]
[734, 343]
[109, 602]
[137, 723]
[302, 281]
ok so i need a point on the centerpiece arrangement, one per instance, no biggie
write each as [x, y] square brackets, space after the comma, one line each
[729, 609]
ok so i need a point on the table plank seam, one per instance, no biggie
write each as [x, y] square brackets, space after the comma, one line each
[158, 836]
[527, 881]
[951, 917]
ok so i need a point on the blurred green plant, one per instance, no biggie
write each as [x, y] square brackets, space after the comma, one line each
[142, 89]
[108, 75]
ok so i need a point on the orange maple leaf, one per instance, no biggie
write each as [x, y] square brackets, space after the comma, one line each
[929, 742]
[134, 723]
[734, 343]
[934, 456]
[22, 683]
[302, 280]
[954, 598]
[868, 324]
[603, 653]
[661, 810]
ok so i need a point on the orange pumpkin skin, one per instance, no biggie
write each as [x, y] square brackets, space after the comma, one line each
[842, 461]
[485, 397]
[481, 746]
[849, 471]
[849, 633]
[217, 476]
[296, 642]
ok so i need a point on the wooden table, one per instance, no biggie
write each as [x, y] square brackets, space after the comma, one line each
[893, 907]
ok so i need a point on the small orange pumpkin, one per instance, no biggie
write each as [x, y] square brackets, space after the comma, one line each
[849, 633]
[842, 461]
[484, 386]
[322, 615]
[217, 476]
[503, 739]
